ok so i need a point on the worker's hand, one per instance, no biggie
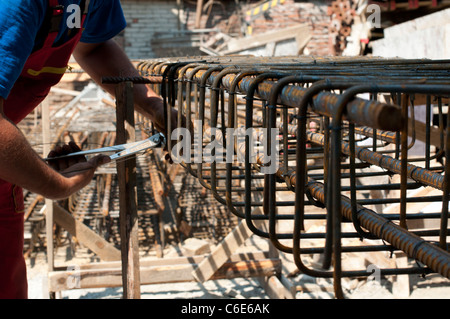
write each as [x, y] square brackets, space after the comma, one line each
[76, 169]
[86, 167]
[158, 118]
[64, 163]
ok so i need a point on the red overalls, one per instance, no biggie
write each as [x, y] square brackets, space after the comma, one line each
[43, 69]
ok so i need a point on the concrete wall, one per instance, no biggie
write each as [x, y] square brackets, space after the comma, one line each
[425, 37]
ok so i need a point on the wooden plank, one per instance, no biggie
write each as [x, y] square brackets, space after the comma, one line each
[414, 207]
[248, 269]
[302, 41]
[300, 33]
[314, 288]
[156, 262]
[272, 285]
[401, 286]
[420, 132]
[152, 262]
[198, 14]
[58, 90]
[126, 173]
[291, 289]
[426, 223]
[274, 288]
[102, 278]
[223, 251]
[86, 236]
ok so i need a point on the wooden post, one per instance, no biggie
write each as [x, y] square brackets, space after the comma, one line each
[126, 173]
[198, 14]
[47, 140]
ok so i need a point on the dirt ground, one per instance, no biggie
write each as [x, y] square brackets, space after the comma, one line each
[431, 287]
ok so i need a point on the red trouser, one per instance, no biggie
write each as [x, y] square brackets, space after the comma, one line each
[13, 283]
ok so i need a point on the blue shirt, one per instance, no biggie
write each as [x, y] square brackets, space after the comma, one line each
[20, 21]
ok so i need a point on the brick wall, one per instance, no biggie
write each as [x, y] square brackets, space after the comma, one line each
[150, 20]
[144, 18]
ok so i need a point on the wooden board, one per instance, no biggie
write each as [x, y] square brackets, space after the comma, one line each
[153, 261]
[276, 288]
[300, 33]
[86, 236]
[102, 278]
[223, 251]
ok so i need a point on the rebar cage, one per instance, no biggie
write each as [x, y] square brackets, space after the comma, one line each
[338, 155]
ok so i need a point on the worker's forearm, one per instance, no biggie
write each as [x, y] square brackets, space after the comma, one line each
[21, 165]
[108, 59]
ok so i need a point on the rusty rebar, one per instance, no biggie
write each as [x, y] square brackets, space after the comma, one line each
[294, 91]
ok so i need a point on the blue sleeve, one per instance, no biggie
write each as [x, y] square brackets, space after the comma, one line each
[20, 21]
[104, 21]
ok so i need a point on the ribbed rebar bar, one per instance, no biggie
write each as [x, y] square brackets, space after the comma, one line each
[295, 90]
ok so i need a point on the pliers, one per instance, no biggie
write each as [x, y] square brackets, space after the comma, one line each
[122, 150]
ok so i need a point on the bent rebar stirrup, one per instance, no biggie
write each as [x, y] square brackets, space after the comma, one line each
[351, 154]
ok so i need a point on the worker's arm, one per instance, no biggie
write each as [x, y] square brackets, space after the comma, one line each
[108, 59]
[22, 166]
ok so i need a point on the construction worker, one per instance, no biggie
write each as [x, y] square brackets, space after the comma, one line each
[37, 39]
